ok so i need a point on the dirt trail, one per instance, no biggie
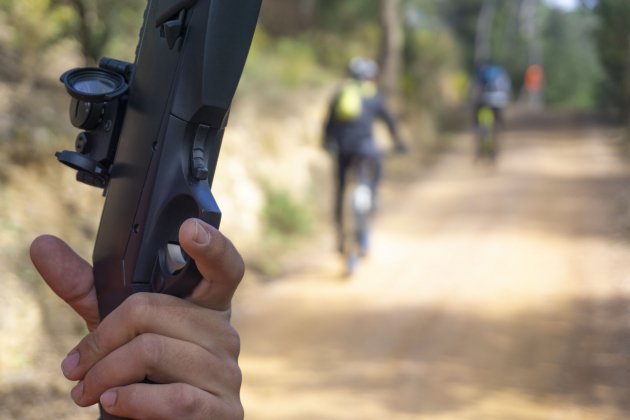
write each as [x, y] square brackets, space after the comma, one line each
[490, 293]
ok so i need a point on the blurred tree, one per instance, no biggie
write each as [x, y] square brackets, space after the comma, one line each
[433, 78]
[483, 36]
[391, 46]
[531, 28]
[572, 70]
[92, 32]
[462, 17]
[281, 17]
[34, 26]
[501, 31]
[613, 40]
[345, 17]
[95, 23]
[25, 38]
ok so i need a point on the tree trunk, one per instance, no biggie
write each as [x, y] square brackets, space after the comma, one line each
[484, 31]
[391, 46]
[509, 38]
[530, 27]
[92, 34]
[287, 18]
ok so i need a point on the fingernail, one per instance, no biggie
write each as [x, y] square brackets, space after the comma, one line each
[201, 235]
[77, 392]
[108, 399]
[70, 362]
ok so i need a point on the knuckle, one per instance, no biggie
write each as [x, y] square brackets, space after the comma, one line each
[239, 268]
[138, 309]
[138, 304]
[234, 376]
[150, 348]
[93, 343]
[232, 341]
[184, 401]
[239, 411]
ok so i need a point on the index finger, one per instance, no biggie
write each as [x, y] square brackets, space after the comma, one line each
[68, 275]
[218, 261]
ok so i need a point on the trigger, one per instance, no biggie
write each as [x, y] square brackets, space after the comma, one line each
[175, 258]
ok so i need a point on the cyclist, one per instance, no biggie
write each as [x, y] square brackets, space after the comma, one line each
[349, 133]
[491, 94]
[492, 89]
[534, 84]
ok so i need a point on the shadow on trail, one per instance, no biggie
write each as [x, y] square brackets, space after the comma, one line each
[550, 121]
[536, 186]
[561, 199]
[577, 353]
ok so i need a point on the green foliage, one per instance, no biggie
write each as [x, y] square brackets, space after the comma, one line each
[32, 27]
[461, 18]
[96, 24]
[428, 52]
[346, 16]
[25, 38]
[332, 30]
[565, 39]
[571, 65]
[277, 65]
[613, 40]
[284, 218]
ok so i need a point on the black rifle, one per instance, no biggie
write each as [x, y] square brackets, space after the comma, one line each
[153, 131]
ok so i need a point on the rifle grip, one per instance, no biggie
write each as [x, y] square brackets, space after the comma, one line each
[104, 415]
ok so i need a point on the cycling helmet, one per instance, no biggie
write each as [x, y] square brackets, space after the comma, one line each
[362, 68]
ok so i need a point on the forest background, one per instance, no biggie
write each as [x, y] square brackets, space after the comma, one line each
[273, 179]
[427, 50]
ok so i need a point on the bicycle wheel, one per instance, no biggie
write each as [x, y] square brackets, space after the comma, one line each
[354, 229]
[362, 202]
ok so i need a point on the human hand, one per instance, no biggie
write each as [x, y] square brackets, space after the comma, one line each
[187, 347]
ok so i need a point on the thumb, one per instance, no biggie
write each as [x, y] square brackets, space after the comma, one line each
[218, 261]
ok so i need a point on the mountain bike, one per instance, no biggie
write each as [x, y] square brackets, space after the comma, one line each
[357, 209]
[487, 145]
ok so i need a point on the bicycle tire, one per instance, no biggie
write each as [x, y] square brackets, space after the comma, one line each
[357, 206]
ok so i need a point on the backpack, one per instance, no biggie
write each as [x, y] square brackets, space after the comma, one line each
[492, 78]
[348, 102]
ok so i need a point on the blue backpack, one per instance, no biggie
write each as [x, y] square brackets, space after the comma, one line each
[491, 78]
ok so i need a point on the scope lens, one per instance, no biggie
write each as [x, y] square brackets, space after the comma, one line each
[94, 84]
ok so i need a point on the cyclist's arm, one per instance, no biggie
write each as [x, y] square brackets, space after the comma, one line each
[328, 135]
[383, 113]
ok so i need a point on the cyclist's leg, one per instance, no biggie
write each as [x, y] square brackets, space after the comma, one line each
[343, 163]
[499, 125]
[478, 129]
[498, 116]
